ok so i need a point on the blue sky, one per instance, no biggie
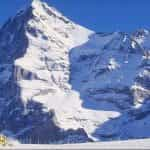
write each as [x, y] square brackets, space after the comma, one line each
[98, 15]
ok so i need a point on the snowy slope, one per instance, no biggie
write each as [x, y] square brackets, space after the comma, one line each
[130, 144]
[64, 81]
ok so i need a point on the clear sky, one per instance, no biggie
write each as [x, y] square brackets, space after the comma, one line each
[98, 15]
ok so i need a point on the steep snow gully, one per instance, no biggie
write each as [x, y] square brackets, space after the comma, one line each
[63, 83]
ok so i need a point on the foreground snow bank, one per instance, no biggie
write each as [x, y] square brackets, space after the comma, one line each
[130, 144]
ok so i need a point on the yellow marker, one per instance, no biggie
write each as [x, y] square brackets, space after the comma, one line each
[3, 140]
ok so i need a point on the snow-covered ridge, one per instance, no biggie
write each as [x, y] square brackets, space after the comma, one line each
[70, 82]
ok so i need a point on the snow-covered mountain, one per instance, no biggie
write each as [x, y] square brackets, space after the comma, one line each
[61, 82]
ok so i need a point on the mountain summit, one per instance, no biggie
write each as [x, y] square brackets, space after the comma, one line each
[61, 82]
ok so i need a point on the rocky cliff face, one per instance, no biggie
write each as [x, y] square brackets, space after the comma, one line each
[60, 82]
